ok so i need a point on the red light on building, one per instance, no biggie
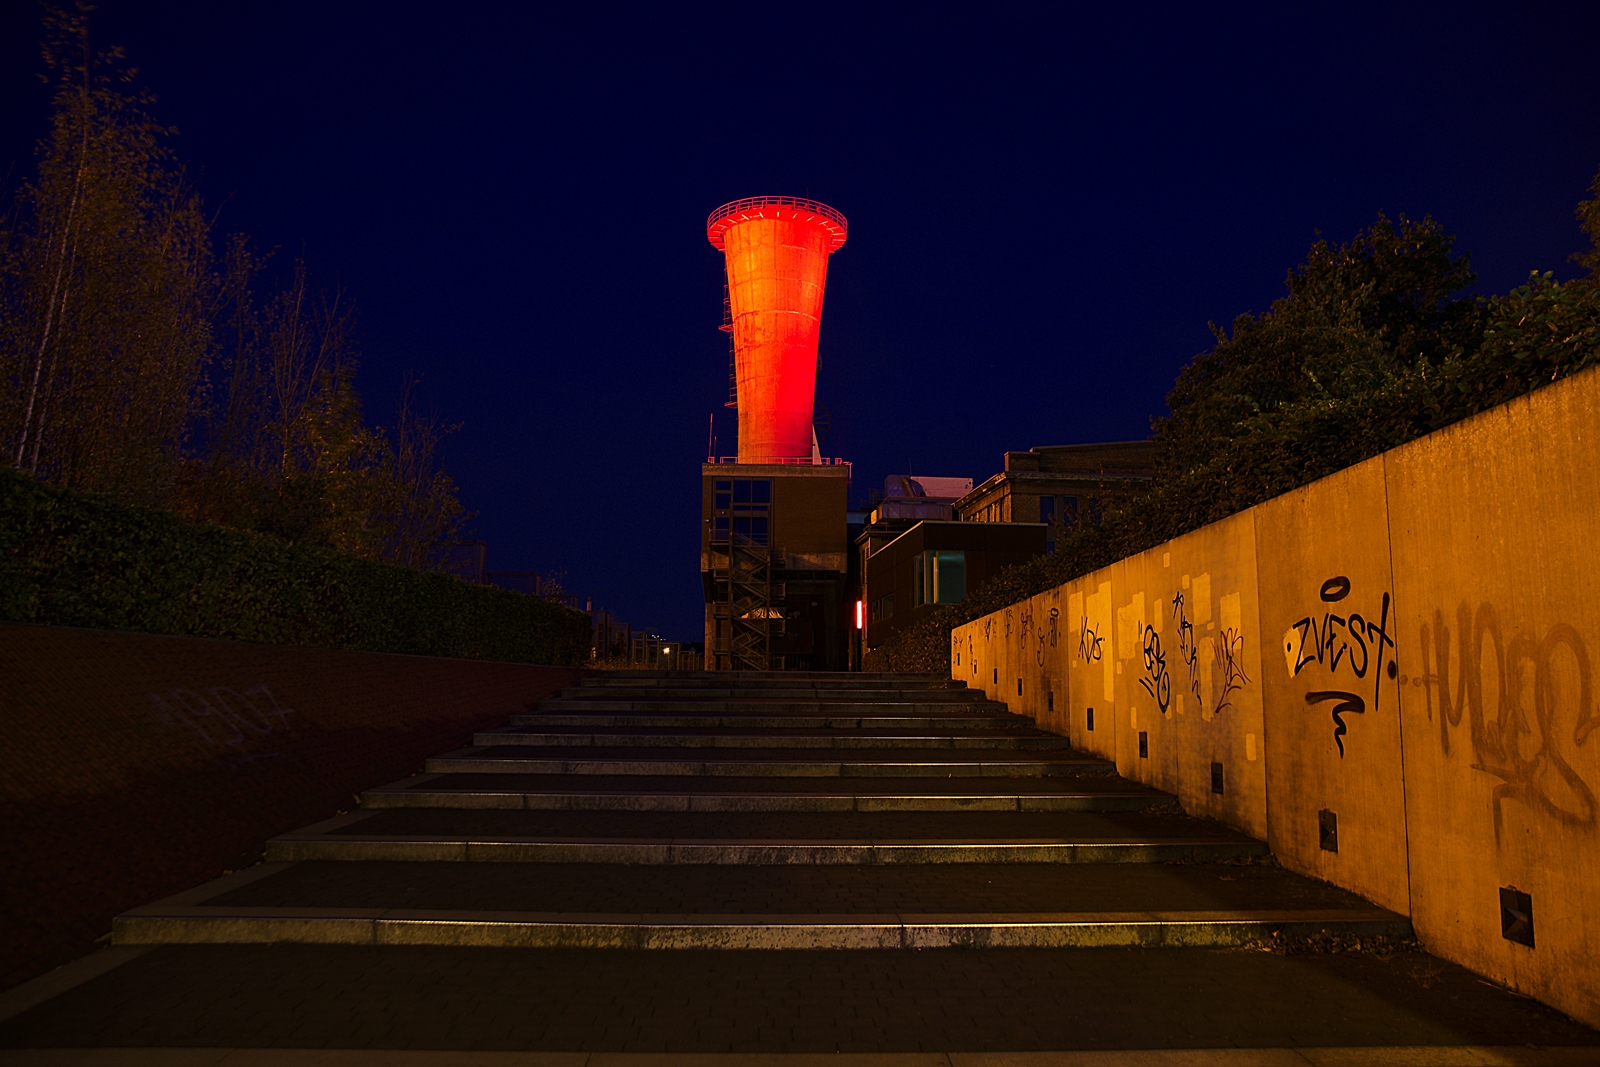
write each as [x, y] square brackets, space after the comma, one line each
[776, 249]
[861, 612]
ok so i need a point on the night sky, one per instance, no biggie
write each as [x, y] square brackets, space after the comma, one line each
[1045, 211]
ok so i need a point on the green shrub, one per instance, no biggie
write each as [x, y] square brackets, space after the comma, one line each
[73, 559]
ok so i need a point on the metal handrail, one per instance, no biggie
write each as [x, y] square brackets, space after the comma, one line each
[816, 207]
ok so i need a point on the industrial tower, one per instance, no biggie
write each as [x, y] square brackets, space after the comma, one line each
[774, 551]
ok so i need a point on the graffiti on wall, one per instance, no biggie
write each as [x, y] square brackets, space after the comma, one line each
[1047, 636]
[1188, 651]
[1227, 656]
[222, 717]
[1156, 681]
[1089, 642]
[1359, 644]
[1550, 677]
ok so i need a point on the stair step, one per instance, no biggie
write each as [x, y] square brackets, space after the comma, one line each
[622, 702]
[742, 838]
[764, 762]
[724, 739]
[770, 907]
[747, 794]
[815, 721]
[155, 925]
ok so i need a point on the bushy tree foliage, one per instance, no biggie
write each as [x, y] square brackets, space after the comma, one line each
[1357, 317]
[108, 280]
[138, 360]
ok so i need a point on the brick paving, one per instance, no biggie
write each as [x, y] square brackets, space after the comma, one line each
[305, 996]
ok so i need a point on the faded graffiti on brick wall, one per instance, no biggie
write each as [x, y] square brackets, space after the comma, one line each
[1552, 673]
[223, 717]
[1353, 641]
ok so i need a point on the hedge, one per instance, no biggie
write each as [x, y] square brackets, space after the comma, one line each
[74, 559]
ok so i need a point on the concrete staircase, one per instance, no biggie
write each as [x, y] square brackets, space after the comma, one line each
[762, 811]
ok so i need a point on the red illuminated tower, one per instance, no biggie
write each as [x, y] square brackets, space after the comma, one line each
[777, 249]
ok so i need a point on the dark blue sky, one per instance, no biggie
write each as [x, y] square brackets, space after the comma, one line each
[1045, 211]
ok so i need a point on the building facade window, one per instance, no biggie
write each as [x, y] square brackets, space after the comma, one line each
[883, 607]
[939, 578]
[743, 507]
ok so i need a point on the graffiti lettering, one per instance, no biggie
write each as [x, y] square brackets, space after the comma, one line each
[1047, 636]
[1347, 703]
[1158, 683]
[1352, 640]
[1186, 646]
[1228, 655]
[1088, 641]
[1525, 757]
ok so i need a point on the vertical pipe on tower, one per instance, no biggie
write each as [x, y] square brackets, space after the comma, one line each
[776, 249]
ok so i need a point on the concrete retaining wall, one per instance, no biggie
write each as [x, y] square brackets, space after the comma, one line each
[135, 766]
[1389, 674]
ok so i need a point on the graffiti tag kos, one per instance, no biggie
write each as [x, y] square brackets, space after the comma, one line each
[1353, 641]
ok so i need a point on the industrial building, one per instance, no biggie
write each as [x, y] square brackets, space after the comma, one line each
[1060, 485]
[932, 562]
[774, 547]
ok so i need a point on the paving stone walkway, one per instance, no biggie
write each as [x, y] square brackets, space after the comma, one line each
[783, 864]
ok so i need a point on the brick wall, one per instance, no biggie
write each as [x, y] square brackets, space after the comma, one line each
[135, 766]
